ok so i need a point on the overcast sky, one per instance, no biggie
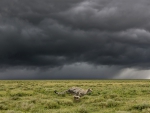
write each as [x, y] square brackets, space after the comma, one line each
[74, 39]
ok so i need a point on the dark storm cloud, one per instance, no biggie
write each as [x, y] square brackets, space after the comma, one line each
[73, 71]
[105, 15]
[55, 33]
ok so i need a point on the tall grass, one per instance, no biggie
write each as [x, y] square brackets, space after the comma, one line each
[108, 96]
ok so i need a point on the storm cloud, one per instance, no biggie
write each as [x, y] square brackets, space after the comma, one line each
[53, 34]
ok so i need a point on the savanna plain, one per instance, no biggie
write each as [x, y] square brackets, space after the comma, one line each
[108, 96]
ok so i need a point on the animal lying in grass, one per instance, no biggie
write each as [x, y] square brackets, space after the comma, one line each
[76, 91]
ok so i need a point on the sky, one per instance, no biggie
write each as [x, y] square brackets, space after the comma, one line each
[74, 39]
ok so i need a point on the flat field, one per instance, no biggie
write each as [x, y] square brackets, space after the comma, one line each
[108, 96]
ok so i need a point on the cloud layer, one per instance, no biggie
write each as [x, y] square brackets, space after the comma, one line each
[55, 33]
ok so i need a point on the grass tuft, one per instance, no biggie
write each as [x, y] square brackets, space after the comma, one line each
[140, 107]
[3, 107]
[82, 109]
[51, 105]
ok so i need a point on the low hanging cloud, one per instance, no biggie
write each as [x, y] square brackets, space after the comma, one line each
[73, 71]
[52, 34]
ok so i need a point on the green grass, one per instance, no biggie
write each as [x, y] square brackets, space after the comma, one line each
[108, 96]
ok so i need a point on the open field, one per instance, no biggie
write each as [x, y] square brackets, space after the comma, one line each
[108, 96]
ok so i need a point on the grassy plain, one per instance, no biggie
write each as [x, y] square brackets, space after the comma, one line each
[108, 96]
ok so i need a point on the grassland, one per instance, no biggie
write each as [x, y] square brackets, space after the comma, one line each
[108, 96]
